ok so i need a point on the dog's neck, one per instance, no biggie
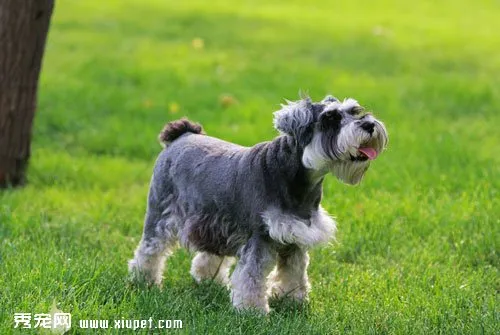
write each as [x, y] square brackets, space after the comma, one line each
[303, 187]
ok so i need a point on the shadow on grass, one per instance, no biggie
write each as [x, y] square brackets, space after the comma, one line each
[207, 297]
[289, 307]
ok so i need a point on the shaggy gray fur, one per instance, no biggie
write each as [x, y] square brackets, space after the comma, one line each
[260, 203]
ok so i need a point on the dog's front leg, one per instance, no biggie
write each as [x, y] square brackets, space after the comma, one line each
[289, 278]
[257, 259]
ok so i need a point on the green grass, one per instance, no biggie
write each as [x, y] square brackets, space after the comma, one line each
[418, 241]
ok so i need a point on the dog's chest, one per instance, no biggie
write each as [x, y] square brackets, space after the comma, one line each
[289, 229]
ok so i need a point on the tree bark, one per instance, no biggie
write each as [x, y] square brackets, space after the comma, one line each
[23, 31]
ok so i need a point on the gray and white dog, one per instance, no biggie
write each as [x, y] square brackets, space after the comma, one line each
[260, 203]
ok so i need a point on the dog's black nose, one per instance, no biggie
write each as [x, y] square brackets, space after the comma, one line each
[368, 126]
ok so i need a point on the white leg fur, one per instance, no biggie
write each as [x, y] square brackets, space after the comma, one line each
[289, 277]
[212, 267]
[149, 260]
[248, 292]
[248, 281]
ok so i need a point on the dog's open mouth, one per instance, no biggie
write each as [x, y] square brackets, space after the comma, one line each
[367, 150]
[364, 154]
[369, 153]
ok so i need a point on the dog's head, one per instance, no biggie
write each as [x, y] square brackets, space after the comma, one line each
[336, 136]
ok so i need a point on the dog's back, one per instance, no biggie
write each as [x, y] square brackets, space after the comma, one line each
[194, 181]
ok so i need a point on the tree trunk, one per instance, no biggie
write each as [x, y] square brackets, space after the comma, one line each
[23, 30]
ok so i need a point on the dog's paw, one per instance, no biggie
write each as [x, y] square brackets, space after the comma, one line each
[250, 303]
[278, 291]
[139, 278]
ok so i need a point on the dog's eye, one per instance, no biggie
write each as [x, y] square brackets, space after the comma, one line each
[330, 118]
[333, 115]
[356, 110]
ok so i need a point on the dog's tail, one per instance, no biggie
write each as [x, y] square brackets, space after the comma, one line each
[175, 129]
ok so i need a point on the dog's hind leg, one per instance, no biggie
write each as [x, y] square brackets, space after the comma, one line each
[158, 242]
[212, 267]
[289, 278]
[249, 286]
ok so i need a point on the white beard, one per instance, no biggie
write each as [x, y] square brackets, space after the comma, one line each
[349, 172]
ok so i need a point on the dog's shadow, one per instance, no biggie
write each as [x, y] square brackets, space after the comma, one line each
[288, 306]
[212, 297]
[217, 298]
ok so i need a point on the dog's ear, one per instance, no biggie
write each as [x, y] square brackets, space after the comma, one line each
[296, 119]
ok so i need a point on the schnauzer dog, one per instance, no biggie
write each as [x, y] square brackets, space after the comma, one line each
[260, 204]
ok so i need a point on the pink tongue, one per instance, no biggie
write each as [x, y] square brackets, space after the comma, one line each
[369, 152]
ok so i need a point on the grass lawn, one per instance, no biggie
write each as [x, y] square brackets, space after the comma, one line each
[418, 240]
